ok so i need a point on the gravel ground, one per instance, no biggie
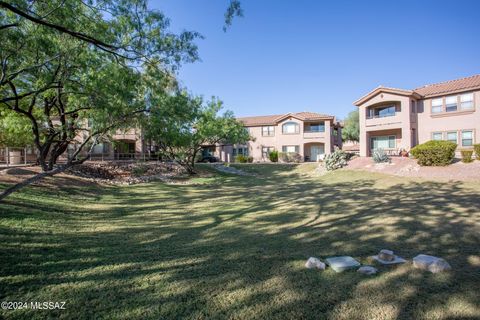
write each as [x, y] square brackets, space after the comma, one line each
[407, 167]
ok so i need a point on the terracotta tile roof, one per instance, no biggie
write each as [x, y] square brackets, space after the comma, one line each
[274, 119]
[451, 86]
[431, 90]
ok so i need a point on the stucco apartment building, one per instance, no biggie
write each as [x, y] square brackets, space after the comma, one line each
[309, 134]
[393, 119]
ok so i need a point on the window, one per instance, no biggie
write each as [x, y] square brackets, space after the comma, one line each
[437, 105]
[467, 138]
[386, 111]
[266, 151]
[386, 142]
[452, 136]
[437, 136]
[413, 107]
[451, 103]
[268, 131]
[317, 127]
[291, 149]
[466, 101]
[240, 151]
[100, 148]
[290, 128]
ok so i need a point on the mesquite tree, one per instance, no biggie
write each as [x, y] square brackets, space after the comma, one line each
[181, 124]
[67, 63]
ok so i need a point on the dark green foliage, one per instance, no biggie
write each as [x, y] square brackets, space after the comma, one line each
[351, 127]
[250, 159]
[434, 153]
[241, 158]
[467, 156]
[273, 156]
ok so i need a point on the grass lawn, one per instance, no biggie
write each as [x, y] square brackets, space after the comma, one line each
[235, 247]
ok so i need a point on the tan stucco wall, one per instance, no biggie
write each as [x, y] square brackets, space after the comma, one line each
[421, 121]
[401, 120]
[452, 121]
[280, 139]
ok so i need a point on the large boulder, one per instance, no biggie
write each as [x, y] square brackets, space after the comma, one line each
[431, 263]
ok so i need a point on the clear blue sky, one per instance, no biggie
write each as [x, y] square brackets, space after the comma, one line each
[288, 56]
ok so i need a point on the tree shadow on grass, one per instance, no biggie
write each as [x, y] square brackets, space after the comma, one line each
[237, 251]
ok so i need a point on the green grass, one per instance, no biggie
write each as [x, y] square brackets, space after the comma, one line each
[235, 247]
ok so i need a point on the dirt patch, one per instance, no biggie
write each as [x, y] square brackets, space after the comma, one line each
[129, 172]
[407, 167]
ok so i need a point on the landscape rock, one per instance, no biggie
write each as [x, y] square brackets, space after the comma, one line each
[315, 263]
[368, 270]
[342, 263]
[386, 255]
[431, 263]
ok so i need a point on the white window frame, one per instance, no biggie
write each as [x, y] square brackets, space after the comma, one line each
[291, 123]
[435, 133]
[372, 143]
[456, 136]
[435, 105]
[467, 104]
[472, 138]
[268, 131]
[296, 148]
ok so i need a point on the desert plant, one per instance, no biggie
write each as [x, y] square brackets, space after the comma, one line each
[467, 156]
[380, 156]
[335, 160]
[241, 158]
[139, 170]
[476, 147]
[434, 153]
[273, 156]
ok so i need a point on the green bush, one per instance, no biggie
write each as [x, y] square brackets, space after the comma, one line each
[476, 147]
[335, 160]
[467, 156]
[241, 159]
[380, 156]
[250, 159]
[434, 153]
[139, 171]
[273, 156]
[290, 157]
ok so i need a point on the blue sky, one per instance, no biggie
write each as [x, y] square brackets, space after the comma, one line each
[289, 56]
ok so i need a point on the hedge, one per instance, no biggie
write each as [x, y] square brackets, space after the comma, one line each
[434, 153]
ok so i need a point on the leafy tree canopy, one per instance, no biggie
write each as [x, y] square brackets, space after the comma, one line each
[351, 128]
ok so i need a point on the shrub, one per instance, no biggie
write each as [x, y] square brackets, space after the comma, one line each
[335, 160]
[379, 156]
[467, 156]
[139, 171]
[241, 159]
[250, 159]
[476, 147]
[290, 157]
[434, 153]
[273, 156]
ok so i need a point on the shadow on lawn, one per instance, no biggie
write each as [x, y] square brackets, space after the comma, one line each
[238, 249]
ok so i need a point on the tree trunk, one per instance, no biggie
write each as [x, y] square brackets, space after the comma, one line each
[31, 180]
